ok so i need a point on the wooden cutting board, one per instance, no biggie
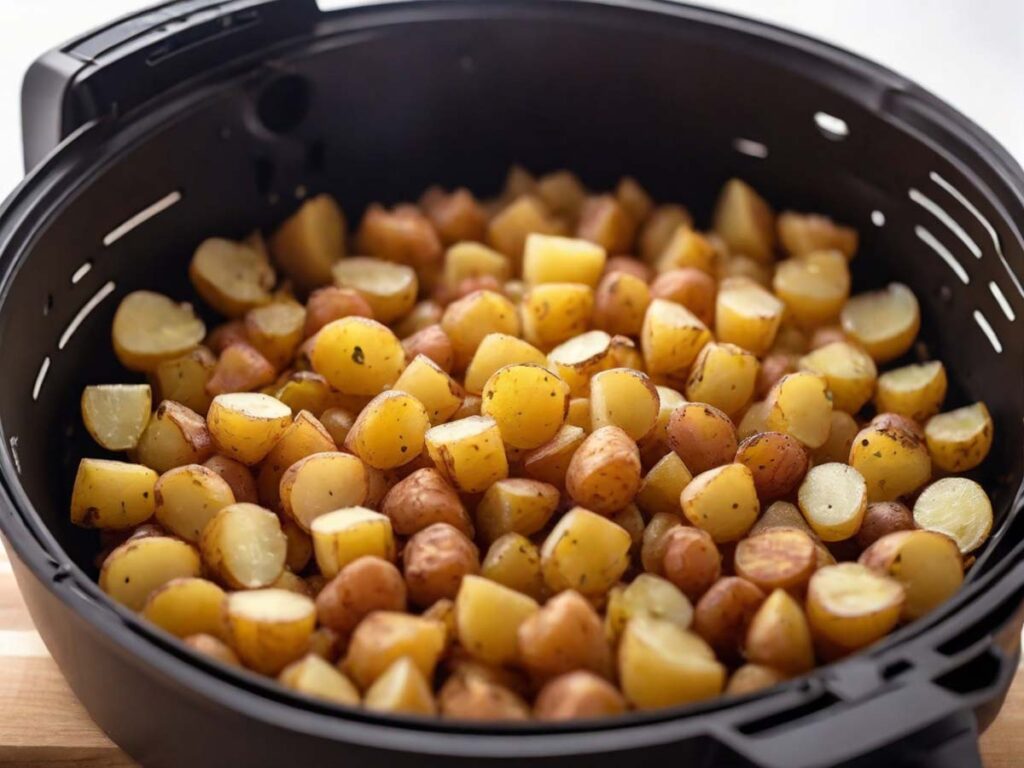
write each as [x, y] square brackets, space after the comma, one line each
[42, 724]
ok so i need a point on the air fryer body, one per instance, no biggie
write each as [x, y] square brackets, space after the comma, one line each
[197, 126]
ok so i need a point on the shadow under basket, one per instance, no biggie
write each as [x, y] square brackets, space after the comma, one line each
[202, 118]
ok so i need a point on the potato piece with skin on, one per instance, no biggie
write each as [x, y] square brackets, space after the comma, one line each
[884, 322]
[773, 367]
[896, 421]
[881, 519]
[634, 198]
[303, 437]
[915, 391]
[702, 436]
[691, 561]
[566, 634]
[496, 351]
[646, 595]
[240, 368]
[604, 472]
[423, 499]
[358, 356]
[814, 287]
[893, 461]
[244, 546]
[365, 585]
[435, 561]
[804, 233]
[471, 697]
[386, 636]
[433, 343]
[236, 475]
[116, 414]
[440, 395]
[579, 413]
[562, 192]
[800, 405]
[746, 315]
[527, 402]
[389, 432]
[833, 498]
[320, 483]
[112, 495]
[456, 216]
[401, 688]
[149, 328]
[174, 436]
[299, 549]
[345, 535]
[722, 501]
[928, 564]
[270, 628]
[620, 303]
[556, 312]
[402, 235]
[211, 647]
[474, 259]
[655, 540]
[188, 606]
[314, 677]
[330, 303]
[231, 277]
[751, 678]
[662, 486]
[849, 371]
[850, 606]
[753, 421]
[470, 319]
[662, 222]
[745, 221]
[389, 288]
[308, 243]
[779, 636]
[694, 289]
[603, 220]
[184, 379]
[686, 249]
[777, 461]
[276, 330]
[655, 445]
[782, 514]
[469, 453]
[226, 334]
[723, 375]
[957, 507]
[488, 616]
[724, 613]
[135, 569]
[576, 695]
[188, 497]
[671, 337]
[550, 462]
[843, 428]
[624, 398]
[508, 230]
[580, 358]
[778, 558]
[246, 425]
[585, 552]
[514, 561]
[960, 440]
[515, 505]
[552, 259]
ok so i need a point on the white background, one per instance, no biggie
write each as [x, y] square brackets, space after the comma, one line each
[970, 52]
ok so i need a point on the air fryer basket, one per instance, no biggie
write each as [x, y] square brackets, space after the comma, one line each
[202, 117]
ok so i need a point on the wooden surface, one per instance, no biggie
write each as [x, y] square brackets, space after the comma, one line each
[42, 724]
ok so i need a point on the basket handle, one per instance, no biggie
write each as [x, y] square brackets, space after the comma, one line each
[125, 63]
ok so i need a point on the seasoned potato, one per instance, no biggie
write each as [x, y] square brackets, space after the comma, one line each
[470, 319]
[745, 221]
[746, 315]
[210, 646]
[686, 249]
[174, 436]
[555, 312]
[314, 677]
[550, 462]
[655, 445]
[184, 379]
[777, 461]
[245, 425]
[330, 303]
[440, 395]
[604, 472]
[514, 561]
[722, 501]
[402, 235]
[435, 561]
[236, 475]
[848, 370]
[661, 224]
[344, 535]
[188, 606]
[754, 420]
[885, 323]
[135, 569]
[231, 277]
[781, 514]
[850, 606]
[578, 694]
[690, 287]
[724, 612]
[691, 560]
[240, 368]
[389, 288]
[422, 499]
[321, 483]
[488, 616]
[914, 391]
[957, 507]
[507, 231]
[843, 428]
[433, 343]
[779, 636]
[337, 422]
[389, 431]
[661, 665]
[385, 636]
[566, 634]
[469, 452]
[365, 585]
[895, 421]
[300, 546]
[804, 233]
[472, 697]
[646, 595]
[655, 540]
[308, 243]
[778, 558]
[465, 260]
[751, 678]
[702, 436]
[800, 405]
[814, 287]
[579, 358]
[515, 505]
[496, 351]
[550, 259]
[662, 485]
[112, 495]
[671, 337]
[833, 498]
[620, 304]
[774, 366]
[624, 398]
[270, 628]
[243, 545]
[928, 565]
[960, 440]
[276, 330]
[401, 688]
[303, 437]
[517, 398]
[603, 220]
[585, 552]
[881, 519]
[358, 356]
[187, 498]
[150, 328]
[723, 375]
[116, 414]
[893, 461]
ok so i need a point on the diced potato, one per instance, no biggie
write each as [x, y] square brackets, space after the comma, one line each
[550, 462]
[469, 452]
[470, 259]
[139, 566]
[814, 287]
[779, 636]
[116, 414]
[383, 637]
[508, 230]
[778, 558]
[686, 249]
[184, 379]
[745, 221]
[389, 432]
[389, 288]
[488, 616]
[662, 223]
[303, 437]
[662, 486]
[655, 541]
[564, 635]
[314, 677]
[655, 445]
[276, 330]
[690, 287]
[671, 337]
[777, 461]
[562, 192]
[245, 425]
[723, 375]
[957, 507]
[527, 402]
[365, 585]
[804, 233]
[150, 328]
[751, 678]
[799, 405]
[849, 371]
[702, 436]
[782, 514]
[604, 221]
[240, 368]
[270, 628]
[881, 519]
[551, 259]
[433, 343]
[515, 505]
[928, 564]
[915, 391]
[112, 495]
[308, 243]
[470, 319]
[496, 351]
[747, 315]
[231, 277]
[634, 199]
[188, 497]
[724, 613]
[321, 483]
[422, 499]
[332, 303]
[833, 498]
[188, 606]
[514, 561]
[646, 595]
[440, 395]
[476, 697]
[893, 461]
[555, 312]
[604, 472]
[960, 440]
[344, 535]
[691, 560]
[358, 356]
[579, 413]
[722, 501]
[576, 695]
[237, 475]
[620, 303]
[244, 546]
[402, 235]
[579, 358]
[754, 420]
[661, 665]
[884, 322]
[401, 688]
[843, 428]
[624, 398]
[585, 552]
[850, 606]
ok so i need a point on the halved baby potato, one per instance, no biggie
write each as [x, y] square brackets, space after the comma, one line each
[188, 606]
[276, 330]
[893, 461]
[344, 535]
[149, 328]
[188, 497]
[927, 563]
[833, 497]
[884, 322]
[113, 495]
[915, 391]
[528, 403]
[358, 356]
[139, 566]
[389, 431]
[957, 507]
[624, 398]
[722, 501]
[320, 679]
[671, 337]
[173, 437]
[723, 375]
[116, 414]
[579, 358]
[469, 452]
[389, 288]
[309, 241]
[814, 287]
[270, 628]
[747, 315]
[246, 425]
[497, 350]
[849, 371]
[799, 405]
[243, 545]
[960, 440]
[321, 483]
[850, 606]
[439, 393]
[555, 312]
[231, 277]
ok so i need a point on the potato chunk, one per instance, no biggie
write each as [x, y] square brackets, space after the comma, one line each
[473, 259]
[833, 498]
[814, 287]
[303, 437]
[551, 259]
[321, 483]
[243, 545]
[401, 688]
[799, 405]
[276, 330]
[527, 402]
[469, 452]
[488, 616]
[422, 499]
[576, 695]
[662, 485]
[270, 628]
[440, 395]
[435, 561]
[390, 430]
[188, 497]
[646, 595]
[470, 319]
[514, 561]
[585, 552]
[777, 461]
[843, 428]
[389, 288]
[914, 391]
[661, 224]
[960, 440]
[893, 461]
[555, 312]
[620, 303]
[566, 634]
[746, 315]
[804, 233]
[345, 535]
[671, 337]
[150, 328]
[624, 398]
[139, 566]
[112, 495]
[848, 370]
[603, 220]
[778, 558]
[723, 375]
[383, 637]
[579, 358]
[957, 507]
[231, 277]
[475, 697]
[691, 560]
[184, 379]
[508, 230]
[188, 606]
[702, 436]
[779, 635]
[722, 501]
[550, 462]
[850, 606]
[745, 221]
[116, 414]
[884, 322]
[515, 505]
[496, 351]
[604, 472]
[315, 677]
[245, 425]
[928, 564]
[309, 241]
[358, 356]
[723, 614]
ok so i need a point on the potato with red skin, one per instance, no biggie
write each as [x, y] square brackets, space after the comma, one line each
[723, 614]
[898, 421]
[566, 634]
[603, 220]
[778, 558]
[629, 266]
[604, 474]
[330, 303]
[774, 366]
[620, 302]
[777, 461]
[881, 519]
[423, 499]
[240, 368]
[691, 561]
[235, 474]
[471, 697]
[432, 342]
[216, 649]
[365, 585]
[226, 334]
[576, 695]
[655, 540]
[691, 287]
[457, 216]
[435, 560]
[402, 234]
[702, 436]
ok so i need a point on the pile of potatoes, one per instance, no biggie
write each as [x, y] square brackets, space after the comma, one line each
[554, 455]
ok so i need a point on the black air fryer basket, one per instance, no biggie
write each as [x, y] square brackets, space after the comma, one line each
[201, 117]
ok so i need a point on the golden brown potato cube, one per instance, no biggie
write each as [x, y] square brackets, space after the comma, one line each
[527, 402]
[662, 486]
[401, 688]
[884, 322]
[174, 436]
[276, 330]
[456, 216]
[507, 231]
[314, 677]
[893, 461]
[624, 398]
[188, 497]
[150, 328]
[751, 678]
[303, 437]
[585, 552]
[365, 585]
[779, 636]
[605, 221]
[469, 452]
[849, 371]
[960, 440]
[515, 505]
[746, 315]
[562, 192]
[658, 229]
[270, 628]
[240, 368]
[804, 233]
[620, 303]
[358, 356]
[655, 540]
[389, 431]
[188, 606]
[552, 259]
[245, 425]
[390, 289]
[579, 358]
[646, 595]
[237, 475]
[777, 461]
[383, 637]
[691, 560]
[496, 351]
[440, 395]
[778, 558]
[843, 428]
[661, 665]
[488, 616]
[112, 495]
[833, 499]
[473, 697]
[321, 483]
[435, 560]
[850, 606]
[928, 564]
[686, 249]
[332, 303]
[471, 318]
[915, 391]
[422, 499]
[671, 338]
[550, 462]
[723, 375]
[814, 287]
[799, 405]
[604, 473]
[576, 695]
[308, 243]
[184, 379]
[139, 566]
[722, 501]
[403, 235]
[514, 561]
[555, 312]
[116, 414]
[231, 277]
[566, 634]
[244, 546]
[702, 436]
[724, 612]
[957, 507]
[745, 221]
[344, 535]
